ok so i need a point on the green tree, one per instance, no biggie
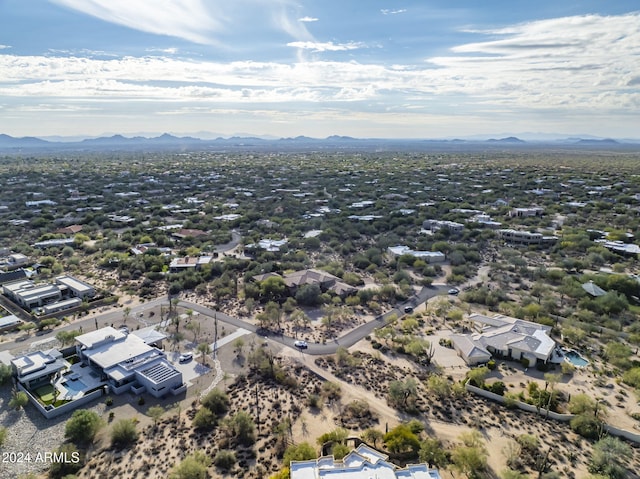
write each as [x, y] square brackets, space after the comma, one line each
[401, 439]
[194, 327]
[309, 295]
[470, 458]
[66, 337]
[83, 426]
[298, 452]
[372, 436]
[123, 433]
[273, 288]
[194, 466]
[204, 349]
[433, 453]
[155, 413]
[402, 394]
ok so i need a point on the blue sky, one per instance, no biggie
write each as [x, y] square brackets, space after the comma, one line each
[393, 69]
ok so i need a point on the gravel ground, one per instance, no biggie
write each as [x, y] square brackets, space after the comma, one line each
[30, 435]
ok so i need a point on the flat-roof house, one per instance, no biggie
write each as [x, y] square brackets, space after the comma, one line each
[127, 362]
[428, 256]
[30, 295]
[189, 262]
[38, 367]
[16, 260]
[9, 322]
[362, 463]
[526, 212]
[435, 225]
[525, 237]
[505, 337]
[75, 287]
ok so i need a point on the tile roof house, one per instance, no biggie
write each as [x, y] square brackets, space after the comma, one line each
[71, 229]
[507, 337]
[326, 281]
[362, 463]
[189, 233]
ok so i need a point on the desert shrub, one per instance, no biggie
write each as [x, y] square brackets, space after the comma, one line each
[216, 401]
[204, 419]
[72, 464]
[586, 425]
[313, 400]
[225, 459]
[123, 433]
[498, 388]
[193, 466]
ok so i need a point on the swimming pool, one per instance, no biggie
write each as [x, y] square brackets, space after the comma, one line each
[575, 359]
[76, 386]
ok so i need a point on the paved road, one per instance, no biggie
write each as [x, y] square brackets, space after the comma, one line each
[349, 339]
[116, 317]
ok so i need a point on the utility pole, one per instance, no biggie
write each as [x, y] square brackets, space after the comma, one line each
[215, 334]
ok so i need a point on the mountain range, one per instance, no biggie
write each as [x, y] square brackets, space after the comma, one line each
[335, 142]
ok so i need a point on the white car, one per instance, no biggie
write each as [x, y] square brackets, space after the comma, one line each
[185, 357]
[300, 344]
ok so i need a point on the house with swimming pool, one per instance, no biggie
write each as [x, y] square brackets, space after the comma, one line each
[126, 362]
[506, 337]
[102, 361]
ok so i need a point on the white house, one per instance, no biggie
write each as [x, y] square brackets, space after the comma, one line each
[126, 362]
[428, 256]
[362, 463]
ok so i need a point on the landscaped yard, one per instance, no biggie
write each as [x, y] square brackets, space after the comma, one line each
[45, 394]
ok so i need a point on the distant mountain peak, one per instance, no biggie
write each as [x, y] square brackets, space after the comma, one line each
[509, 139]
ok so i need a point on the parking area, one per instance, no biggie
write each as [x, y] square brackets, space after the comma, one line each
[190, 370]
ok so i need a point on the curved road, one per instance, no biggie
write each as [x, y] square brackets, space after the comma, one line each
[349, 339]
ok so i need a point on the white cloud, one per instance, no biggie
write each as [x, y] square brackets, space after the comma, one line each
[386, 11]
[4, 47]
[188, 19]
[198, 21]
[581, 68]
[325, 46]
[307, 19]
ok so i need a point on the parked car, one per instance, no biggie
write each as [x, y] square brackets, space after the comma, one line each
[408, 309]
[300, 344]
[185, 357]
[453, 291]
